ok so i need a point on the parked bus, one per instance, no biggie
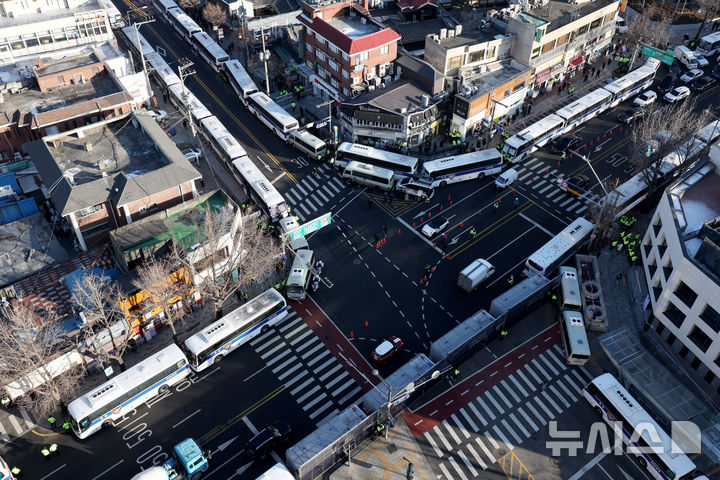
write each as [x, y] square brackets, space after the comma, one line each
[131, 36]
[523, 143]
[6, 474]
[239, 79]
[298, 281]
[222, 141]
[654, 449]
[460, 168]
[183, 24]
[164, 6]
[584, 108]
[569, 289]
[208, 49]
[257, 186]
[238, 327]
[709, 44]
[554, 252]
[109, 402]
[162, 71]
[59, 365]
[277, 472]
[574, 338]
[272, 114]
[369, 175]
[402, 165]
[308, 143]
[113, 14]
[185, 101]
[631, 84]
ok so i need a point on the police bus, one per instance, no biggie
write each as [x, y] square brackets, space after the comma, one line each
[272, 114]
[402, 165]
[369, 175]
[523, 143]
[131, 36]
[259, 188]
[298, 281]
[222, 141]
[460, 168]
[185, 101]
[165, 6]
[114, 16]
[569, 289]
[208, 49]
[109, 402]
[183, 24]
[240, 80]
[161, 70]
[631, 84]
[238, 327]
[584, 108]
[554, 252]
[709, 44]
[574, 338]
[308, 143]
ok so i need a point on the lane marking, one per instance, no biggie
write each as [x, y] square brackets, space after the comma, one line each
[188, 417]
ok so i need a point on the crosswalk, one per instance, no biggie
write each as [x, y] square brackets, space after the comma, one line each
[541, 180]
[309, 197]
[14, 423]
[312, 375]
[493, 424]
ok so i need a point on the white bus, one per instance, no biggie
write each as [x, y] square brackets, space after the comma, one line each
[584, 108]
[241, 82]
[554, 252]
[272, 114]
[165, 5]
[259, 188]
[369, 175]
[183, 24]
[60, 365]
[569, 289]
[162, 71]
[131, 35]
[300, 275]
[5, 473]
[631, 84]
[460, 168]
[709, 44]
[308, 143]
[402, 165]
[574, 338]
[208, 49]
[277, 472]
[109, 402]
[234, 329]
[523, 143]
[222, 141]
[663, 460]
[113, 14]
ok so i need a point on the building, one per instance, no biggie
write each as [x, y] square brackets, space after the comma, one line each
[47, 97]
[35, 28]
[560, 36]
[111, 173]
[498, 90]
[681, 258]
[347, 50]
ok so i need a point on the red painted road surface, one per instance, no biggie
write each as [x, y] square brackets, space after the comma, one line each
[335, 341]
[441, 407]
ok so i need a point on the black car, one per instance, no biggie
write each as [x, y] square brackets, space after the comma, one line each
[267, 439]
[702, 84]
[563, 144]
[630, 115]
[666, 84]
[716, 72]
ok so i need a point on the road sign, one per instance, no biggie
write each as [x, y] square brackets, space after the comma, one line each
[310, 227]
[320, 125]
[667, 56]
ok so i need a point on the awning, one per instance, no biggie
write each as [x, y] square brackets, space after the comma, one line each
[578, 61]
[542, 76]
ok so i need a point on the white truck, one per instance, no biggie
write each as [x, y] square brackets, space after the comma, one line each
[474, 274]
[687, 57]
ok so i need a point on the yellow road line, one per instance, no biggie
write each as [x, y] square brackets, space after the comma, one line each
[45, 434]
[511, 473]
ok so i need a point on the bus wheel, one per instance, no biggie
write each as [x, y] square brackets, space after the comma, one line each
[642, 462]
[264, 328]
[108, 424]
[218, 359]
[599, 411]
[163, 389]
[443, 183]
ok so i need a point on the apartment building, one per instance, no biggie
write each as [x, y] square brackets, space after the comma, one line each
[681, 258]
[347, 50]
[30, 28]
[560, 36]
[111, 173]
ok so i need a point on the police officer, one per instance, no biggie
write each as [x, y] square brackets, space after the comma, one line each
[53, 448]
[45, 452]
[516, 202]
[66, 425]
[51, 421]
[5, 401]
[15, 471]
[511, 280]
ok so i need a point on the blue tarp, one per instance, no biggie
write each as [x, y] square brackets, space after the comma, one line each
[73, 279]
[11, 208]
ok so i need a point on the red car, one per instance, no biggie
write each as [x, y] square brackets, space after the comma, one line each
[387, 349]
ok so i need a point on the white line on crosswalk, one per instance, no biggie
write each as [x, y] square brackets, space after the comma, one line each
[432, 443]
[533, 374]
[26, 417]
[527, 382]
[317, 412]
[558, 358]
[519, 387]
[485, 449]
[278, 357]
[317, 200]
[311, 180]
[502, 437]
[536, 362]
[527, 418]
[532, 162]
[495, 445]
[342, 387]
[442, 438]
[581, 209]
[499, 393]
[523, 177]
[553, 193]
[540, 418]
[477, 413]
[445, 471]
[291, 195]
[335, 380]
[311, 204]
[570, 395]
[539, 184]
[478, 459]
[510, 390]
[287, 373]
[282, 366]
[15, 424]
[314, 402]
[457, 468]
[294, 332]
[299, 187]
[299, 215]
[321, 368]
[467, 463]
[307, 212]
[550, 365]
[486, 409]
[558, 395]
[330, 372]
[300, 387]
[261, 344]
[460, 426]
[351, 394]
[505, 424]
[451, 431]
[547, 187]
[270, 352]
[309, 342]
[464, 413]
[320, 356]
[571, 199]
[340, 184]
[332, 186]
[542, 405]
[4, 434]
[322, 195]
[579, 378]
[307, 394]
[552, 402]
[519, 424]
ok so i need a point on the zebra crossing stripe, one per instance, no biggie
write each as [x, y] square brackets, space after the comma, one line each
[523, 177]
[309, 342]
[582, 209]
[451, 431]
[320, 356]
[519, 387]
[498, 392]
[486, 409]
[539, 184]
[270, 352]
[15, 424]
[477, 414]
[467, 463]
[347, 397]
[445, 471]
[345, 385]
[535, 412]
[579, 378]
[287, 373]
[320, 410]
[469, 420]
[530, 371]
[570, 394]
[485, 449]
[519, 424]
[26, 417]
[457, 468]
[510, 390]
[502, 437]
[432, 443]
[529, 420]
[259, 346]
[300, 337]
[552, 402]
[491, 440]
[442, 438]
[327, 191]
[311, 204]
[561, 397]
[332, 185]
[525, 379]
[553, 194]
[282, 366]
[540, 367]
[478, 459]
[291, 324]
[460, 426]
[547, 187]
[294, 332]
[307, 212]
[321, 368]
[308, 394]
[278, 357]
[550, 365]
[532, 161]
[544, 407]
[311, 180]
[4, 434]
[505, 424]
[319, 192]
[335, 380]
[558, 359]
[303, 385]
[299, 187]
[338, 183]
[569, 200]
[314, 402]
[330, 372]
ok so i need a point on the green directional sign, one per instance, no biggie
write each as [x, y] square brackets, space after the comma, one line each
[667, 56]
[310, 227]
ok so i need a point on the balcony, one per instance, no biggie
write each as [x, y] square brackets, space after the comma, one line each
[571, 45]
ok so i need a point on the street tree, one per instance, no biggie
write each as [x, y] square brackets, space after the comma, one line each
[99, 299]
[665, 130]
[642, 29]
[214, 14]
[603, 214]
[28, 342]
[708, 9]
[190, 4]
[232, 252]
[165, 283]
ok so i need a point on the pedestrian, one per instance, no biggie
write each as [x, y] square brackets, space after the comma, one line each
[185, 123]
[45, 452]
[503, 334]
[391, 198]
[53, 448]
[15, 471]
[516, 202]
[377, 238]
[315, 172]
[529, 108]
[496, 205]
[597, 74]
[66, 426]
[245, 297]
[51, 421]
[472, 233]
[484, 142]
[5, 401]
[434, 147]
[511, 280]
[592, 72]
[585, 77]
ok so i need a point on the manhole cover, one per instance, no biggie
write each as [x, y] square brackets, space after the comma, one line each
[356, 261]
[391, 448]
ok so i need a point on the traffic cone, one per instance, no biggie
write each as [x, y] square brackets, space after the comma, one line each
[352, 335]
[434, 245]
[479, 212]
[366, 323]
[570, 157]
[432, 270]
[598, 139]
[399, 232]
[591, 143]
[447, 257]
[461, 224]
[611, 133]
[414, 225]
[429, 214]
[421, 220]
[558, 164]
[449, 199]
[451, 203]
[513, 190]
[421, 281]
[441, 208]
[425, 278]
[532, 179]
[500, 200]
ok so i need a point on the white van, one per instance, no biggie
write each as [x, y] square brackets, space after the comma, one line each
[288, 224]
[686, 56]
[474, 274]
[300, 276]
[570, 289]
[370, 175]
[506, 178]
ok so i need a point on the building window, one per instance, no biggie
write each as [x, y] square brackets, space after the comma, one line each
[695, 364]
[309, 48]
[674, 314]
[647, 249]
[345, 74]
[668, 270]
[699, 338]
[320, 56]
[562, 40]
[345, 56]
[711, 317]
[455, 62]
[96, 70]
[662, 246]
[332, 65]
[332, 48]
[535, 52]
[709, 377]
[518, 87]
[548, 46]
[685, 294]
[651, 265]
[657, 225]
[610, 17]
[333, 82]
[476, 56]
[308, 32]
[346, 92]
[88, 211]
[320, 40]
[490, 52]
[364, 55]
[384, 50]
[61, 80]
[595, 23]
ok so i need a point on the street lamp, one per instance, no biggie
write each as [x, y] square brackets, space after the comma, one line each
[587, 160]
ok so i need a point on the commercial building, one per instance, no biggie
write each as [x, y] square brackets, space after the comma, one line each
[559, 37]
[111, 173]
[347, 50]
[681, 258]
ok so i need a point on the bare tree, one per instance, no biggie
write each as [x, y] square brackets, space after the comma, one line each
[603, 215]
[665, 130]
[104, 316]
[214, 14]
[707, 8]
[28, 343]
[165, 283]
[644, 30]
[189, 4]
[232, 254]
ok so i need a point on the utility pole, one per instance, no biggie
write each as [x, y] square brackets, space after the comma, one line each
[185, 70]
[136, 26]
[265, 57]
[330, 131]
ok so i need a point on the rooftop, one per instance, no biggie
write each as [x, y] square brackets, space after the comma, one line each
[67, 63]
[497, 73]
[473, 36]
[416, 31]
[353, 27]
[403, 94]
[75, 7]
[560, 13]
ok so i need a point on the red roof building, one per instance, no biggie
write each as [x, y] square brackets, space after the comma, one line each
[348, 51]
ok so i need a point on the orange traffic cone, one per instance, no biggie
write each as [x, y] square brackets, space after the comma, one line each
[352, 335]
[366, 323]
[399, 232]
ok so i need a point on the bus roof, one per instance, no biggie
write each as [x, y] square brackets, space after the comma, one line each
[464, 159]
[274, 109]
[55, 367]
[223, 138]
[162, 69]
[562, 242]
[235, 70]
[632, 77]
[167, 4]
[210, 45]
[535, 130]
[277, 472]
[354, 165]
[189, 102]
[710, 132]
[592, 98]
[132, 34]
[184, 20]
[308, 138]
[370, 151]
